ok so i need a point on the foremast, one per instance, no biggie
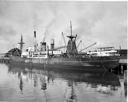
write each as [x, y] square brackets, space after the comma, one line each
[21, 43]
[71, 46]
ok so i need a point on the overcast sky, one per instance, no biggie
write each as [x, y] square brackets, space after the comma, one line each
[101, 22]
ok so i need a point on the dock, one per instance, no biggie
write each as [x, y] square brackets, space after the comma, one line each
[123, 61]
[122, 67]
[123, 64]
[4, 60]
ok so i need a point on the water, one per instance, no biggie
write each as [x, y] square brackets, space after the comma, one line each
[19, 84]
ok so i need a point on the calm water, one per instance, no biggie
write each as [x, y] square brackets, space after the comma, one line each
[18, 84]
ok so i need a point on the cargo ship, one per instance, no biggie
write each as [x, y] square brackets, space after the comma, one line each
[71, 59]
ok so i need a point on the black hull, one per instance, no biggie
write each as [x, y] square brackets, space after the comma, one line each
[58, 66]
[95, 64]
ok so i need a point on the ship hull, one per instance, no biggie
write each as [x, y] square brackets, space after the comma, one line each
[58, 66]
[92, 64]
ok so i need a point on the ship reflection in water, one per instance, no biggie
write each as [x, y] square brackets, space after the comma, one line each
[18, 84]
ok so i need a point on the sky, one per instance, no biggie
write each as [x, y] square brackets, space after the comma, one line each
[103, 22]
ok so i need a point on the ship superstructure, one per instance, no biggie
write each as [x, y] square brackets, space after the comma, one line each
[45, 51]
[104, 51]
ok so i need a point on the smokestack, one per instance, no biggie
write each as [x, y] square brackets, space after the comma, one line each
[43, 46]
[52, 44]
[48, 50]
[34, 34]
[35, 43]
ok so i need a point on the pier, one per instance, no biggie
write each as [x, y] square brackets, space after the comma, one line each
[122, 66]
[121, 69]
[123, 61]
[3, 59]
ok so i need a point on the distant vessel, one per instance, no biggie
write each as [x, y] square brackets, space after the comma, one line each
[52, 58]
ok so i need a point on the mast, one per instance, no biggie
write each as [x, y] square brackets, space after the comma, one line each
[71, 36]
[71, 27]
[71, 47]
[21, 43]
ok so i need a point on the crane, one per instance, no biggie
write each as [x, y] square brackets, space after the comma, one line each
[79, 44]
[63, 38]
[57, 48]
[88, 47]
